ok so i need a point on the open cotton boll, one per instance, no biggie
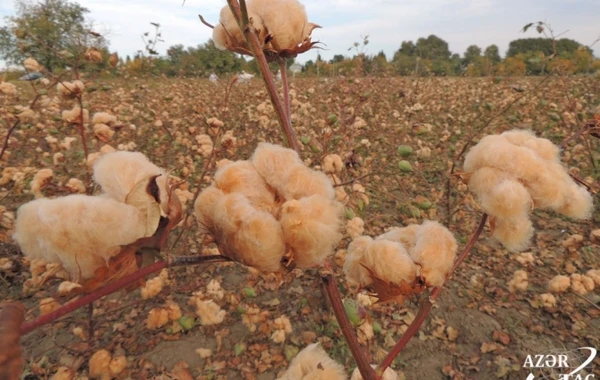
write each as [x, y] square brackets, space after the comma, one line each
[103, 118]
[579, 203]
[332, 163]
[242, 177]
[41, 179]
[272, 160]
[313, 363]
[300, 181]
[389, 374]
[118, 172]
[388, 260]
[559, 284]
[514, 234]
[286, 21]
[69, 89]
[509, 199]
[526, 138]
[311, 227]
[103, 132]
[74, 115]
[204, 208]
[248, 235]
[355, 227]
[496, 152]
[434, 251]
[581, 284]
[79, 232]
[594, 274]
[407, 236]
[519, 282]
[8, 88]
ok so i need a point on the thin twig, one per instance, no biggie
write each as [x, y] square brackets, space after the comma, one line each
[205, 22]
[426, 305]
[286, 88]
[115, 286]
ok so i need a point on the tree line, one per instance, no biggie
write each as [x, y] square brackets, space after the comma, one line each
[55, 32]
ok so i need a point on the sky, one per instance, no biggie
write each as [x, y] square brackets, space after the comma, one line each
[387, 22]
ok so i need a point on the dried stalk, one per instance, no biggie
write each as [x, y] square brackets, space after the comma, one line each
[367, 372]
[286, 89]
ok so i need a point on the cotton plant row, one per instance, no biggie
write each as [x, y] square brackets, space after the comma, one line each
[81, 233]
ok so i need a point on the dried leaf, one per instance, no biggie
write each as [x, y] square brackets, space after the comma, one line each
[388, 292]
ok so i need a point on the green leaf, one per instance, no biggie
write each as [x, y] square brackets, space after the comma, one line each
[349, 213]
[249, 292]
[239, 348]
[352, 311]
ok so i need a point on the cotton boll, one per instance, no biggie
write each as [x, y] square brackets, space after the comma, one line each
[63, 373]
[484, 179]
[32, 65]
[407, 236]
[578, 284]
[117, 365]
[157, 318]
[355, 227]
[103, 132]
[548, 300]
[356, 274]
[579, 203]
[74, 115]
[118, 172]
[332, 163]
[8, 88]
[173, 310]
[48, 305]
[205, 145]
[104, 118]
[75, 185]
[250, 236]
[272, 160]
[519, 282]
[152, 287]
[40, 180]
[286, 21]
[559, 284]
[313, 363]
[434, 251]
[543, 147]
[209, 312]
[70, 89]
[389, 374]
[515, 234]
[99, 365]
[311, 227]
[79, 232]
[594, 274]
[300, 181]
[241, 177]
[387, 260]
[509, 199]
[205, 206]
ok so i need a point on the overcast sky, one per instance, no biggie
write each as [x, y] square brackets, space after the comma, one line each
[387, 22]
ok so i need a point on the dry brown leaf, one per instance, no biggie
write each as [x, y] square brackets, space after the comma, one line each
[11, 363]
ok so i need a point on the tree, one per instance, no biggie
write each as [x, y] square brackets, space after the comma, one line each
[472, 55]
[51, 31]
[433, 48]
[337, 58]
[544, 45]
[492, 54]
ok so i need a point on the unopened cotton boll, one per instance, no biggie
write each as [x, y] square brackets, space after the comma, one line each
[514, 234]
[435, 251]
[311, 227]
[519, 282]
[559, 284]
[313, 363]
[251, 236]
[40, 180]
[242, 177]
[389, 374]
[79, 232]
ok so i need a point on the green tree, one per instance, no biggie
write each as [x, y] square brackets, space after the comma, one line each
[543, 45]
[492, 53]
[51, 31]
[472, 55]
[433, 48]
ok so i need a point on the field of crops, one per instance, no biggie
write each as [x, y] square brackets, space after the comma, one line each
[478, 329]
